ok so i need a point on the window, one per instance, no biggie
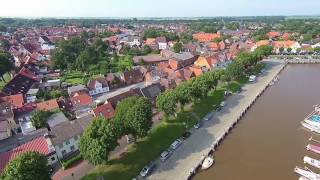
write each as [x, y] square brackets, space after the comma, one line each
[53, 159]
[72, 148]
[67, 142]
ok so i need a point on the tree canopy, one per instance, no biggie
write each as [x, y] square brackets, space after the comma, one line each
[177, 47]
[135, 115]
[98, 140]
[6, 64]
[153, 33]
[39, 118]
[28, 166]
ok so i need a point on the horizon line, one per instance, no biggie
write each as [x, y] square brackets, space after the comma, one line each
[155, 17]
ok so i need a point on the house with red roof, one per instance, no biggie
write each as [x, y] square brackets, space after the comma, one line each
[40, 145]
[260, 43]
[206, 37]
[49, 105]
[206, 63]
[97, 86]
[16, 100]
[82, 103]
[106, 110]
[273, 34]
[285, 45]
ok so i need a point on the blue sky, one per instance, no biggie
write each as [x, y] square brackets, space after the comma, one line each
[152, 8]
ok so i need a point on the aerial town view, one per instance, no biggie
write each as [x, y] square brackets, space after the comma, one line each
[170, 90]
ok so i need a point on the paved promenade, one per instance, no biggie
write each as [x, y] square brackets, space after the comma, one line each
[190, 153]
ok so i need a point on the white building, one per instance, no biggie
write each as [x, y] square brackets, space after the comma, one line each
[65, 136]
[98, 86]
[162, 45]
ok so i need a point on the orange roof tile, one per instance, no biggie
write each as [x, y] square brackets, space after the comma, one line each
[16, 100]
[48, 105]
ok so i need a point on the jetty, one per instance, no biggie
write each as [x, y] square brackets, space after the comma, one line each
[187, 160]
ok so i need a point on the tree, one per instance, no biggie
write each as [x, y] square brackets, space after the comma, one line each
[234, 71]
[39, 118]
[66, 53]
[6, 64]
[289, 50]
[3, 28]
[125, 63]
[177, 47]
[167, 102]
[135, 115]
[98, 140]
[316, 49]
[233, 25]
[281, 50]
[4, 44]
[28, 166]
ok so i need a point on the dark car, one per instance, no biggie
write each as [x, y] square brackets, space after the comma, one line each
[186, 135]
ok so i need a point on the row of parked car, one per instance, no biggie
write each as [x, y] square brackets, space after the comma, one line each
[165, 154]
[175, 145]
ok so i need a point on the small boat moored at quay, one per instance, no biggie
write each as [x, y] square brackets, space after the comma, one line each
[313, 123]
[207, 162]
[311, 161]
[307, 173]
[303, 178]
[313, 148]
[312, 128]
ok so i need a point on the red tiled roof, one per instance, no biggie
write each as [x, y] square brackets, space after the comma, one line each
[38, 145]
[105, 110]
[273, 34]
[206, 37]
[284, 44]
[48, 105]
[262, 43]
[81, 99]
[15, 100]
[150, 41]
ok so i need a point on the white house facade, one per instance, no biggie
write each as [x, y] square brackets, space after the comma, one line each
[98, 88]
[162, 45]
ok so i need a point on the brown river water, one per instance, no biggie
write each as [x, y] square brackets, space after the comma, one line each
[269, 141]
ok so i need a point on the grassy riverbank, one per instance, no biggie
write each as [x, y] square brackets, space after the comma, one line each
[7, 78]
[160, 138]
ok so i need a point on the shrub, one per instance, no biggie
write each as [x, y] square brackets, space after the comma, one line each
[68, 162]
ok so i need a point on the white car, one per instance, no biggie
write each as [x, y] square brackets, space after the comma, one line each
[176, 144]
[252, 78]
[165, 155]
[223, 103]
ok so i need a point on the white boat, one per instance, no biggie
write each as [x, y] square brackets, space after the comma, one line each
[207, 162]
[310, 127]
[313, 123]
[311, 161]
[303, 178]
[307, 173]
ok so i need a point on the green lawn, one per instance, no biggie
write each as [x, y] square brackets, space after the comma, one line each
[7, 78]
[74, 78]
[145, 150]
[75, 81]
